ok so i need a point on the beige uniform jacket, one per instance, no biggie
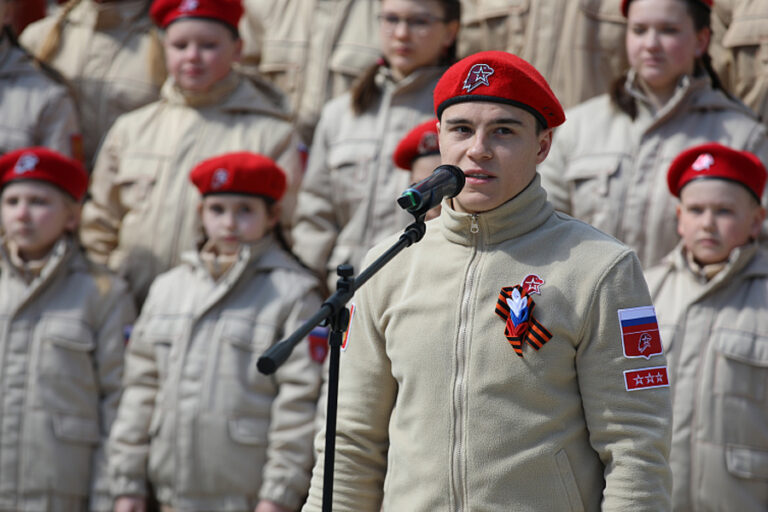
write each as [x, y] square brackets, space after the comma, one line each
[197, 418]
[348, 200]
[610, 171]
[578, 45]
[438, 412]
[716, 338]
[143, 209]
[105, 53]
[34, 109]
[61, 364]
[313, 50]
[740, 50]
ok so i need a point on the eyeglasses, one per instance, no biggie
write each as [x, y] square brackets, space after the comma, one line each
[419, 23]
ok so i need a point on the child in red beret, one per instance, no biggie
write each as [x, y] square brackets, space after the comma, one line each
[140, 218]
[197, 420]
[61, 345]
[419, 153]
[711, 295]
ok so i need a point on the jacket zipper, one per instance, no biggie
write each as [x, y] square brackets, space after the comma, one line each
[458, 468]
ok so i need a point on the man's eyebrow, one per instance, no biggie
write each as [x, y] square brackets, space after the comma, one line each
[501, 120]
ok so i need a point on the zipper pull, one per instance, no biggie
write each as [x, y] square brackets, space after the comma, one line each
[475, 227]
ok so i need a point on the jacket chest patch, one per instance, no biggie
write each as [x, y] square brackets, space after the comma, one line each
[515, 306]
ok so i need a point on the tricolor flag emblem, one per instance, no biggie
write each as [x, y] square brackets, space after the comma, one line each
[640, 332]
[646, 378]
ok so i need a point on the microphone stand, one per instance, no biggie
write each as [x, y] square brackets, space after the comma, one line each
[334, 312]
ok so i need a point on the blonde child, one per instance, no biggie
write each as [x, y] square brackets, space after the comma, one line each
[61, 347]
[711, 297]
[140, 218]
[197, 420]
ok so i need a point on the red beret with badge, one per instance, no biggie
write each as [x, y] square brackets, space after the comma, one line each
[625, 5]
[239, 173]
[499, 77]
[421, 141]
[715, 161]
[164, 12]
[43, 164]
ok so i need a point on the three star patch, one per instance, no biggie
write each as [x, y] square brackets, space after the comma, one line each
[515, 306]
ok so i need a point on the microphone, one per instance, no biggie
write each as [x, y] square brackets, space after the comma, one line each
[445, 181]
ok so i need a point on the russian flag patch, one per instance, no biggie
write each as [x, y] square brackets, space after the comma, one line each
[640, 335]
[646, 378]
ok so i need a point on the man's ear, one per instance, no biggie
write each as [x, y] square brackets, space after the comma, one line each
[545, 144]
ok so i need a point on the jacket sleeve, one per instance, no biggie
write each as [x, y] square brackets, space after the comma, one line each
[315, 226]
[291, 430]
[129, 439]
[630, 430]
[58, 126]
[367, 392]
[757, 143]
[118, 315]
[103, 212]
[552, 171]
[289, 159]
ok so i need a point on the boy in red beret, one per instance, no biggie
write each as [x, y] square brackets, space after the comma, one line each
[61, 343]
[140, 217]
[497, 365]
[711, 293]
[419, 153]
[197, 420]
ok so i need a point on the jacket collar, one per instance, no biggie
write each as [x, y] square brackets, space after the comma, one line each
[517, 217]
[746, 262]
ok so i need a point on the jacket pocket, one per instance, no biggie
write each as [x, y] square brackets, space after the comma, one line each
[161, 332]
[351, 168]
[602, 10]
[570, 488]
[281, 63]
[244, 342]
[66, 349]
[746, 30]
[589, 181]
[741, 367]
[250, 431]
[745, 462]
[352, 60]
[76, 430]
[136, 180]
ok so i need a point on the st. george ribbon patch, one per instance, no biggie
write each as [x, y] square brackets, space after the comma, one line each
[646, 378]
[515, 306]
[640, 332]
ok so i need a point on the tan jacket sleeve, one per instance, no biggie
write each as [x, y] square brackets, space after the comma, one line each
[129, 440]
[110, 350]
[290, 451]
[630, 430]
[315, 226]
[367, 392]
[103, 212]
[551, 171]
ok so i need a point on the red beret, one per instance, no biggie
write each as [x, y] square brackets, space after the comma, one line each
[43, 164]
[421, 141]
[717, 161]
[163, 12]
[239, 173]
[499, 77]
[625, 5]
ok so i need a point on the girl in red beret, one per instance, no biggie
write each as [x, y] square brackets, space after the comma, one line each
[608, 162]
[141, 214]
[64, 323]
[347, 201]
[197, 421]
[711, 295]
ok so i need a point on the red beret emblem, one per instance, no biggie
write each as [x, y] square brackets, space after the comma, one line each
[219, 178]
[703, 162]
[189, 5]
[27, 162]
[477, 76]
[428, 143]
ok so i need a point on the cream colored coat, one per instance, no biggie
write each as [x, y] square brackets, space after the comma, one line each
[197, 419]
[143, 209]
[610, 171]
[716, 337]
[61, 362]
[105, 53]
[313, 50]
[740, 50]
[348, 200]
[578, 45]
[34, 109]
[436, 410]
